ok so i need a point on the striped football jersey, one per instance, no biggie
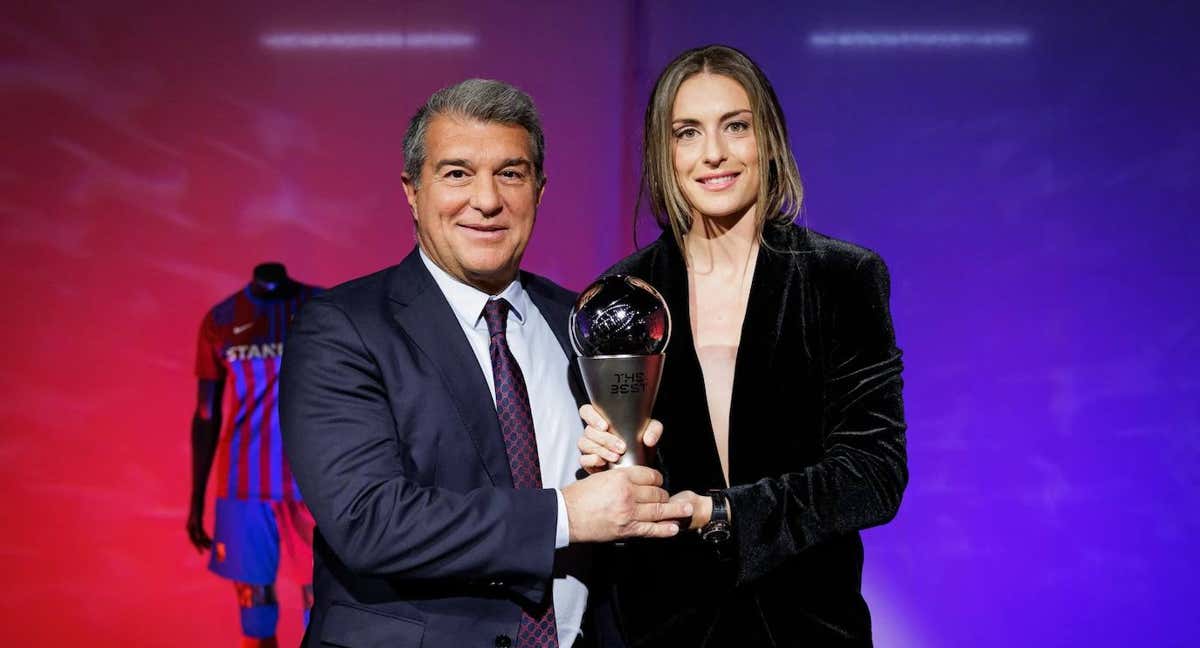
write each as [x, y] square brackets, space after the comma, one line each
[241, 343]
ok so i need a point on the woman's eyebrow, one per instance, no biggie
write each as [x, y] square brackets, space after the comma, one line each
[691, 121]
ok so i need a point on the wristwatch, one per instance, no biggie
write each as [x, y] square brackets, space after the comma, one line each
[718, 530]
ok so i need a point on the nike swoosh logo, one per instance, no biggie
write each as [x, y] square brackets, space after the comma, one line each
[238, 330]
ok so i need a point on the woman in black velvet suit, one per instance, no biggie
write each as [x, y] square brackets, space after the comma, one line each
[781, 392]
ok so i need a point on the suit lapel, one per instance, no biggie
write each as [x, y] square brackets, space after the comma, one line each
[426, 317]
[557, 314]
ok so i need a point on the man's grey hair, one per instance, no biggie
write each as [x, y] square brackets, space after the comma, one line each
[482, 100]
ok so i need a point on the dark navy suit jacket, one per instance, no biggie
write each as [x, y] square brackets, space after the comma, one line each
[391, 431]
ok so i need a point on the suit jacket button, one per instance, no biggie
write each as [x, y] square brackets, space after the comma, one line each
[503, 641]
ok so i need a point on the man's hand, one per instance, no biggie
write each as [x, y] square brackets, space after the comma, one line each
[622, 503]
[195, 530]
[599, 448]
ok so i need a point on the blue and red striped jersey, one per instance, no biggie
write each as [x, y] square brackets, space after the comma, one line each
[241, 343]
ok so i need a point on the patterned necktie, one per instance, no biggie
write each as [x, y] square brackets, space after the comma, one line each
[516, 424]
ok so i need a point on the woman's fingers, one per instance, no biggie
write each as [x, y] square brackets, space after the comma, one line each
[592, 464]
[592, 417]
[590, 445]
[653, 433]
[605, 439]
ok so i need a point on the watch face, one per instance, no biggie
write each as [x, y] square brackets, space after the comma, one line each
[716, 533]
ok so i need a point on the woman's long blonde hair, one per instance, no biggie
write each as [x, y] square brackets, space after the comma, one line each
[780, 192]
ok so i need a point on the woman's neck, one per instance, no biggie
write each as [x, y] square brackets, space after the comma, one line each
[721, 245]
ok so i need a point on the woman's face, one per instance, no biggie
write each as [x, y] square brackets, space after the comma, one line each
[716, 158]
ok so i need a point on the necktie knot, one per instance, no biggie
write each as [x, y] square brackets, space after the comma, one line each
[495, 313]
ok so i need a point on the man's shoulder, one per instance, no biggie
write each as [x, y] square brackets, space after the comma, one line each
[358, 288]
[546, 288]
[357, 297]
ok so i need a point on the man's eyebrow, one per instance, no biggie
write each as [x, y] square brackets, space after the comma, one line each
[456, 162]
[689, 121]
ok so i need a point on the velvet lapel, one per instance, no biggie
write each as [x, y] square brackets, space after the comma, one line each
[426, 317]
[759, 337]
[683, 377]
[761, 329]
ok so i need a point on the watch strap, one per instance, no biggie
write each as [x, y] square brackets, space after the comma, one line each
[718, 529]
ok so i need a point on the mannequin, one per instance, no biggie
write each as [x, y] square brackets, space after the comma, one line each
[271, 281]
[243, 337]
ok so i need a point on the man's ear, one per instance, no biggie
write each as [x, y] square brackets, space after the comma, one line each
[410, 193]
[541, 190]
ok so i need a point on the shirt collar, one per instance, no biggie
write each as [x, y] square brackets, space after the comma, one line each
[467, 302]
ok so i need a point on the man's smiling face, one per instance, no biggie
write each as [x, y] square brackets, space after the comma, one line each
[476, 201]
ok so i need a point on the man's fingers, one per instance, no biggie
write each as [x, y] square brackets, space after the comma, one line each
[653, 433]
[644, 476]
[592, 417]
[654, 529]
[658, 511]
[650, 494]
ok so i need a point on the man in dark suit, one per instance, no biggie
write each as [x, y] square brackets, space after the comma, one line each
[429, 418]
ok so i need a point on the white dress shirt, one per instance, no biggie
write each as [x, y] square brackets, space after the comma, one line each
[556, 421]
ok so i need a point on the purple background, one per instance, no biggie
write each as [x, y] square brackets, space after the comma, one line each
[1033, 191]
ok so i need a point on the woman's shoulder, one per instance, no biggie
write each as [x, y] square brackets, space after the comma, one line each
[643, 262]
[823, 250]
[806, 246]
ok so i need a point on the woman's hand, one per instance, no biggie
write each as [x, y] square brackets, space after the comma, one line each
[600, 448]
[701, 509]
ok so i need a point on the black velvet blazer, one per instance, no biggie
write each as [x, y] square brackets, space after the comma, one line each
[816, 452]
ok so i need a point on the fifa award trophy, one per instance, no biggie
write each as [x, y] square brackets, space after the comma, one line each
[620, 327]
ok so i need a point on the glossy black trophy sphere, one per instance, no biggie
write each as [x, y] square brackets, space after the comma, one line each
[620, 315]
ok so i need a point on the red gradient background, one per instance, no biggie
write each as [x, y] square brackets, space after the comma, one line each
[1035, 197]
[152, 156]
